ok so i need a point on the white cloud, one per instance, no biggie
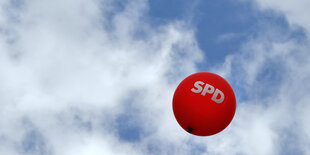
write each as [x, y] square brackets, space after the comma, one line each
[295, 11]
[68, 67]
[273, 71]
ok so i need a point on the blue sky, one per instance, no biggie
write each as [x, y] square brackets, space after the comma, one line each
[97, 77]
[221, 26]
[210, 22]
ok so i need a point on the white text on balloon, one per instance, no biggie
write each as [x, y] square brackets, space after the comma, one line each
[208, 89]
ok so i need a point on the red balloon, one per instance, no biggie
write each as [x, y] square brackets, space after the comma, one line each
[204, 104]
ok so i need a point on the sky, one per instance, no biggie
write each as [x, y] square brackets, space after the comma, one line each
[92, 77]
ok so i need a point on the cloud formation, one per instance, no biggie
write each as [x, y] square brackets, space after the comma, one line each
[295, 12]
[271, 74]
[73, 71]
[97, 77]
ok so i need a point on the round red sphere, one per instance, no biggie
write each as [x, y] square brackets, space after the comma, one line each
[204, 104]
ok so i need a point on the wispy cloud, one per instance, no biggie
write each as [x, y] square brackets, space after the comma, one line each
[272, 72]
[73, 69]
